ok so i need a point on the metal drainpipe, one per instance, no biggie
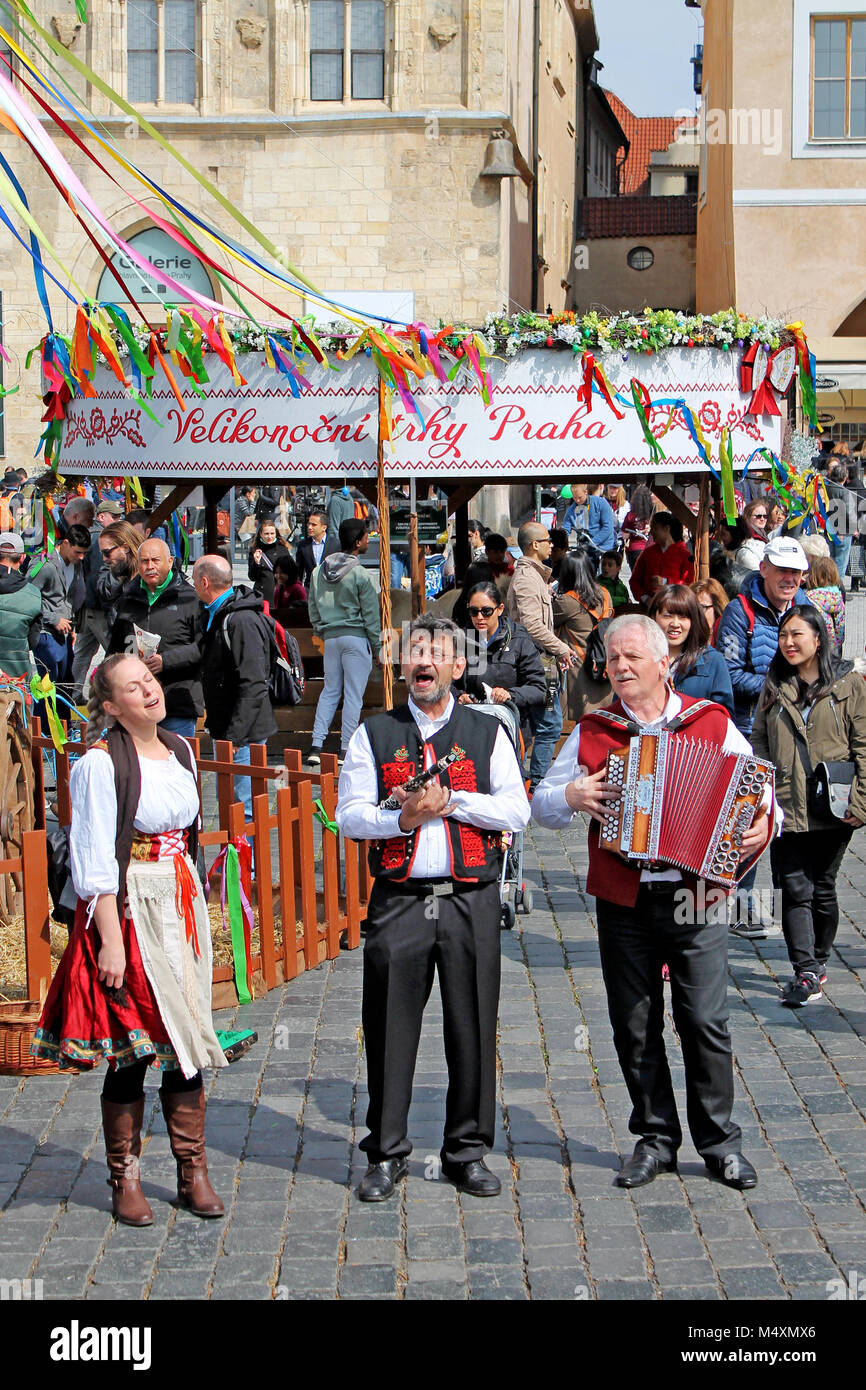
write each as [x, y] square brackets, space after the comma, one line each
[533, 303]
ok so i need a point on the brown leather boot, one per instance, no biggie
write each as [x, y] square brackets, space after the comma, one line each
[122, 1127]
[184, 1118]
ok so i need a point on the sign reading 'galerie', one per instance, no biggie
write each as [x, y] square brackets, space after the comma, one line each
[536, 424]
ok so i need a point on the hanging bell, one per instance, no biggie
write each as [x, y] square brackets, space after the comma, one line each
[499, 161]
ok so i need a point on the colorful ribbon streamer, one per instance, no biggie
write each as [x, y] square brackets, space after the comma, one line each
[235, 861]
[45, 691]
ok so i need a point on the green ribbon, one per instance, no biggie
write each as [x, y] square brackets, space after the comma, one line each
[236, 924]
[321, 815]
[727, 470]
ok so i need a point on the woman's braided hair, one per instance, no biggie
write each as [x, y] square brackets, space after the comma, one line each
[100, 691]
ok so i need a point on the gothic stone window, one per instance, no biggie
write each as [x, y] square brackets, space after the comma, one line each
[347, 50]
[161, 52]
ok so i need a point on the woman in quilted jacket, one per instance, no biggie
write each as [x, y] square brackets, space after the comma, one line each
[812, 709]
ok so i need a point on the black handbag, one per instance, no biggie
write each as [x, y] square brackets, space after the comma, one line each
[828, 786]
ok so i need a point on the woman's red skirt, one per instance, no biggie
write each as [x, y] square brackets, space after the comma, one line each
[83, 1020]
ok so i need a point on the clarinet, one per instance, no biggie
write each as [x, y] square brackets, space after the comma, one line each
[415, 784]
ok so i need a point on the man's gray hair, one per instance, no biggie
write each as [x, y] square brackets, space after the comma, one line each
[433, 623]
[75, 512]
[655, 638]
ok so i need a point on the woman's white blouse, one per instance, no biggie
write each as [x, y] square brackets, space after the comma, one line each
[169, 801]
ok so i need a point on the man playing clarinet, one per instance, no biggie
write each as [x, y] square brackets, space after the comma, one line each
[640, 928]
[436, 862]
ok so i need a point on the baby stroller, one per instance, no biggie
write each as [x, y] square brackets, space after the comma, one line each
[515, 894]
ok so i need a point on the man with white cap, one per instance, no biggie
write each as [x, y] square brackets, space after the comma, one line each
[747, 638]
[20, 609]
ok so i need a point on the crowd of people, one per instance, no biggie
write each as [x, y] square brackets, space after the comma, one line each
[550, 624]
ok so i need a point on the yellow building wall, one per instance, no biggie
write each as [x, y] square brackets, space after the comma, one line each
[375, 196]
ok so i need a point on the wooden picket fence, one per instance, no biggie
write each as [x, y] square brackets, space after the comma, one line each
[307, 905]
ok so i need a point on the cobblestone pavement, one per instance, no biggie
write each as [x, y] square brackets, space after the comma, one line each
[283, 1125]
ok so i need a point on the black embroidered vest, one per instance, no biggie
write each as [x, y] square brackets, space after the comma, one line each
[475, 854]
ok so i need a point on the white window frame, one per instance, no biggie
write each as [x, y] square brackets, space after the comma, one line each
[802, 145]
[161, 104]
[356, 103]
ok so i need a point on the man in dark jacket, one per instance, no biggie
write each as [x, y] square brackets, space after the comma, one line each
[236, 664]
[20, 610]
[317, 546]
[160, 601]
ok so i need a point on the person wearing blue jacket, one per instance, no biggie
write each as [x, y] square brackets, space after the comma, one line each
[696, 669]
[748, 639]
[592, 514]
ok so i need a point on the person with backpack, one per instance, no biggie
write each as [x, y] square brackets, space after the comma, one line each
[747, 637]
[236, 661]
[579, 607]
[344, 612]
[811, 716]
[696, 669]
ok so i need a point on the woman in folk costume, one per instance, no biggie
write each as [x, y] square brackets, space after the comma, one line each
[134, 983]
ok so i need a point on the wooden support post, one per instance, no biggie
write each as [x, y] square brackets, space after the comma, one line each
[462, 555]
[258, 758]
[417, 569]
[212, 494]
[353, 906]
[264, 880]
[330, 870]
[224, 753]
[38, 775]
[286, 824]
[702, 536]
[61, 795]
[309, 913]
[37, 930]
[384, 556]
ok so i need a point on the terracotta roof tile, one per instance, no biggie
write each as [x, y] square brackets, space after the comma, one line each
[645, 134]
[640, 215]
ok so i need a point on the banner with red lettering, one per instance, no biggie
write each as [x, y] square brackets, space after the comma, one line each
[541, 421]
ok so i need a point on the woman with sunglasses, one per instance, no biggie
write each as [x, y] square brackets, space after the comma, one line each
[713, 601]
[812, 709]
[501, 656]
[753, 528]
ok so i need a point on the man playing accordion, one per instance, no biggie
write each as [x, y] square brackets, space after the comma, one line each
[640, 926]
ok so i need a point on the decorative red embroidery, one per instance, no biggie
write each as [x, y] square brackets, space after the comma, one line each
[393, 854]
[472, 844]
[396, 774]
[462, 776]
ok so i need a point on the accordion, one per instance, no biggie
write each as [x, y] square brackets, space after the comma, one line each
[683, 803]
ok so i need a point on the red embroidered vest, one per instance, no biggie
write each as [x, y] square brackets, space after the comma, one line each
[609, 876]
[475, 854]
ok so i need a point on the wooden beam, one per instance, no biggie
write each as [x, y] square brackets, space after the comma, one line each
[702, 535]
[417, 569]
[179, 493]
[462, 494]
[677, 506]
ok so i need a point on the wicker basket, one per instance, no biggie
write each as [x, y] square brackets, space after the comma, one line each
[19, 1020]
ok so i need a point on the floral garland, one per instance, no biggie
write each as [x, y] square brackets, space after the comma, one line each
[647, 332]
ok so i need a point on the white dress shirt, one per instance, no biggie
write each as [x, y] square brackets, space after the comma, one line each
[505, 807]
[550, 808]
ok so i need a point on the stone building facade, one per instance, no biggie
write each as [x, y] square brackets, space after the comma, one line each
[354, 133]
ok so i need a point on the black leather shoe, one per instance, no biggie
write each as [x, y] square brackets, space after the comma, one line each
[380, 1179]
[733, 1170]
[643, 1167]
[474, 1177]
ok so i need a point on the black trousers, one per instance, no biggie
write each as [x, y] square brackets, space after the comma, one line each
[125, 1085]
[634, 944]
[409, 936]
[805, 866]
